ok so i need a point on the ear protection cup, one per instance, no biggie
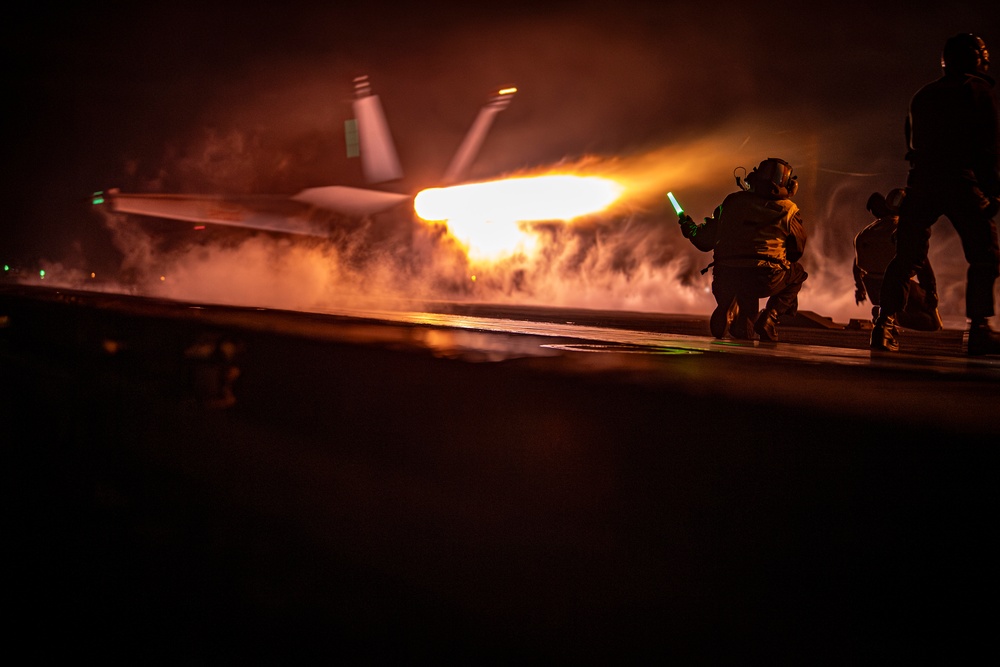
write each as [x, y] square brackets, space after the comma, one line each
[894, 199]
[793, 186]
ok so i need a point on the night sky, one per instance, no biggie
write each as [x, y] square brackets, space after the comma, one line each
[144, 95]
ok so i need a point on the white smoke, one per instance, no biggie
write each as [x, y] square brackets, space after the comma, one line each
[668, 96]
[632, 258]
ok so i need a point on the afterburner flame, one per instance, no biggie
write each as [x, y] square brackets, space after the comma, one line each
[488, 217]
[556, 197]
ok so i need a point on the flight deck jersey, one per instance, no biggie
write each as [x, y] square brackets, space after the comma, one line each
[757, 231]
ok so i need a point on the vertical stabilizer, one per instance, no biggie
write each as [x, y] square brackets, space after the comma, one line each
[379, 160]
[470, 146]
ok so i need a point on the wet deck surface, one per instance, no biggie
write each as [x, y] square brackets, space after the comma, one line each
[490, 484]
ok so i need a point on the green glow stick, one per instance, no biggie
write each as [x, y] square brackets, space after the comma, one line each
[673, 201]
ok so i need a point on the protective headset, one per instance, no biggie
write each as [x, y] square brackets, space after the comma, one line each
[965, 53]
[777, 173]
[884, 207]
[894, 199]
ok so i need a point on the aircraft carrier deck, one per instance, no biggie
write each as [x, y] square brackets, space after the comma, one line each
[487, 485]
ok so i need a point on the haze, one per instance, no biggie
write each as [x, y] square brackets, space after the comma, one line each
[187, 98]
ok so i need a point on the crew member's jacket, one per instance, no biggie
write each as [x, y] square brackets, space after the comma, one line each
[952, 130]
[750, 230]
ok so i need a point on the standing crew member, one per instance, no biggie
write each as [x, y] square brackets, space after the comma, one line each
[874, 248]
[952, 136]
[757, 238]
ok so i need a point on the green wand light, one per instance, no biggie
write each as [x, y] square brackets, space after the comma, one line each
[677, 207]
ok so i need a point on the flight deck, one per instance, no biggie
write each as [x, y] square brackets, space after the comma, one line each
[488, 484]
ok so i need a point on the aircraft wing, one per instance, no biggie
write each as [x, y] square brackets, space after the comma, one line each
[276, 214]
[293, 215]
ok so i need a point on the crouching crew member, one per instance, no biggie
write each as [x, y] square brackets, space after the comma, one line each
[757, 238]
[874, 248]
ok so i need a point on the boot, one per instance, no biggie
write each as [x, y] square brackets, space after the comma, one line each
[766, 325]
[884, 334]
[983, 340]
[722, 318]
[741, 328]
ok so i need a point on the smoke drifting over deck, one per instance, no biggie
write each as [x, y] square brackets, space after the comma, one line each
[668, 96]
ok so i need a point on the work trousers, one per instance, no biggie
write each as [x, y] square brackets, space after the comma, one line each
[964, 204]
[747, 285]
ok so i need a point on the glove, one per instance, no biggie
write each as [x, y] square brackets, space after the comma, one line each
[993, 208]
[860, 295]
[688, 226]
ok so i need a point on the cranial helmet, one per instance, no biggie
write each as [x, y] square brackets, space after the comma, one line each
[965, 53]
[887, 206]
[876, 205]
[773, 177]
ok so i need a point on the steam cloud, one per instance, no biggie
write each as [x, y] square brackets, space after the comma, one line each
[633, 258]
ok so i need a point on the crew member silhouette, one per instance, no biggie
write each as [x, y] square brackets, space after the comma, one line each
[874, 248]
[757, 238]
[952, 138]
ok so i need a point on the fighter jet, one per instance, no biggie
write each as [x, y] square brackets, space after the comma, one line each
[308, 212]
